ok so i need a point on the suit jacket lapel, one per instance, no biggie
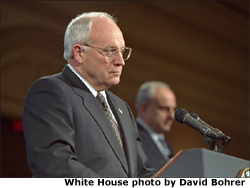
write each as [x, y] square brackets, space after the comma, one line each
[94, 108]
[126, 132]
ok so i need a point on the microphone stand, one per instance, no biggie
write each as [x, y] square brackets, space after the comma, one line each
[225, 142]
[212, 143]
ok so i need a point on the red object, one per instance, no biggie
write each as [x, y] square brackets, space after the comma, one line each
[17, 125]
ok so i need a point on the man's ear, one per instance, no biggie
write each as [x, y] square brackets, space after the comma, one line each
[78, 53]
[143, 107]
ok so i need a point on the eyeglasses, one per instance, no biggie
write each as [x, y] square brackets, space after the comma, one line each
[111, 54]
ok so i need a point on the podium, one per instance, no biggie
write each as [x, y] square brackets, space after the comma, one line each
[202, 163]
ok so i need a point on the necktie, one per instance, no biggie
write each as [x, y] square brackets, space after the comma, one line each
[110, 118]
[165, 149]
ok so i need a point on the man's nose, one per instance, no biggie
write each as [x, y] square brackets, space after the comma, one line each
[119, 59]
[172, 111]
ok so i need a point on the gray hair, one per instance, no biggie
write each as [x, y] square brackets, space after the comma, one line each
[79, 30]
[147, 90]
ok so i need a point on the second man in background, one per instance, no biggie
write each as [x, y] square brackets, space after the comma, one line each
[155, 104]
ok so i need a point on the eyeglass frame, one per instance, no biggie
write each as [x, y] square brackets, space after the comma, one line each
[112, 53]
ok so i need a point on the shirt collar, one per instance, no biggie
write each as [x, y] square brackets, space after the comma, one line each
[155, 136]
[89, 86]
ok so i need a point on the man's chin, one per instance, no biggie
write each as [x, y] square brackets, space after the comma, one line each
[114, 81]
[167, 128]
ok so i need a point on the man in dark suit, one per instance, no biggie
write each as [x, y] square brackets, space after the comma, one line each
[155, 104]
[75, 127]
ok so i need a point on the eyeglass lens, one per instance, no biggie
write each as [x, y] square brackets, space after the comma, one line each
[125, 54]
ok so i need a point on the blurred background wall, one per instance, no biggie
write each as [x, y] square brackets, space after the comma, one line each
[200, 48]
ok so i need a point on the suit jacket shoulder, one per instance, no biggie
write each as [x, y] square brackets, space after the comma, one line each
[155, 158]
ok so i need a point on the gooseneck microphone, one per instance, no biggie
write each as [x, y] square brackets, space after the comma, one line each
[226, 139]
[217, 131]
[182, 116]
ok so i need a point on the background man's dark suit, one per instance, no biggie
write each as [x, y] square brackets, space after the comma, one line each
[73, 137]
[155, 158]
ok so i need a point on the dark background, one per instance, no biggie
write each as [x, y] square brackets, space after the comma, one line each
[200, 48]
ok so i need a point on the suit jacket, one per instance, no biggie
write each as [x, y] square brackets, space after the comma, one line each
[155, 158]
[68, 134]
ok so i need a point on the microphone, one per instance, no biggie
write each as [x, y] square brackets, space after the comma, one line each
[182, 116]
[226, 139]
[217, 131]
